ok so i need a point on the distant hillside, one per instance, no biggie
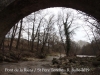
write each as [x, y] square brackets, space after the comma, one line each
[82, 43]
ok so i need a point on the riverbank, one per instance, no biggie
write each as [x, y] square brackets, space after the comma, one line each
[88, 65]
[70, 65]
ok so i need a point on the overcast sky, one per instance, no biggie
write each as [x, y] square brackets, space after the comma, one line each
[80, 33]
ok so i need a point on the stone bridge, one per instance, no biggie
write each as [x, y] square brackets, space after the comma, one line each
[11, 11]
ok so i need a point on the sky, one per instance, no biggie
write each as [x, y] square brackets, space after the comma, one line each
[80, 32]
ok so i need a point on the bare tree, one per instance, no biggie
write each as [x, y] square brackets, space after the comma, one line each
[94, 28]
[19, 36]
[47, 29]
[13, 35]
[67, 22]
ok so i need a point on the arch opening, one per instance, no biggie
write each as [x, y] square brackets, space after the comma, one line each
[50, 23]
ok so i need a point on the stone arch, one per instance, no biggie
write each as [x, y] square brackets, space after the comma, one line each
[18, 9]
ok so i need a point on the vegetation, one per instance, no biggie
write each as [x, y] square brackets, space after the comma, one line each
[40, 34]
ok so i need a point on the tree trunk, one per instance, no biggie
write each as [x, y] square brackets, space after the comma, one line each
[13, 35]
[21, 22]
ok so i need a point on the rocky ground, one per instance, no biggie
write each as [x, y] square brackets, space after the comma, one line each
[78, 66]
[53, 65]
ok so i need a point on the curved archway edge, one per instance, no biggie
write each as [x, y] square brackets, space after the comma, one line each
[18, 9]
